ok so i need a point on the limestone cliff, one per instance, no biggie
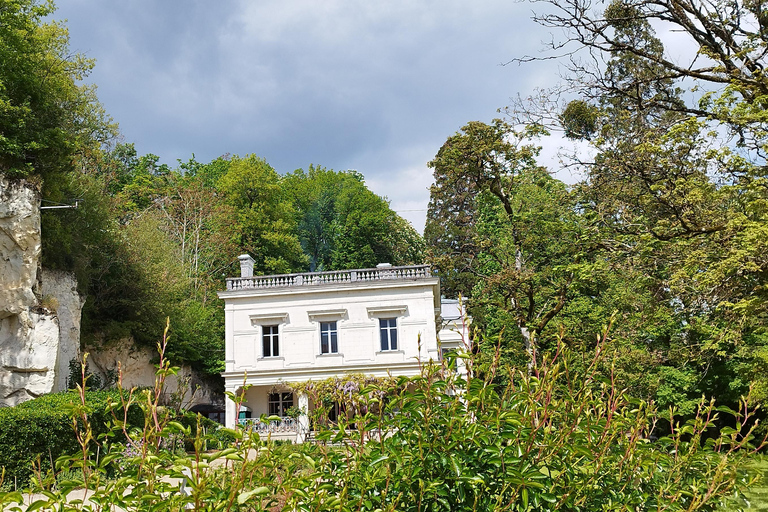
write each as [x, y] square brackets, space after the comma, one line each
[59, 293]
[19, 245]
[37, 340]
[137, 366]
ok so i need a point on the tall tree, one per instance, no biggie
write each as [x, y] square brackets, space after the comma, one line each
[342, 224]
[449, 231]
[527, 246]
[48, 115]
[199, 223]
[266, 219]
[677, 186]
[725, 72]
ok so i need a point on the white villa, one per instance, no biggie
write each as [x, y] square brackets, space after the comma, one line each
[299, 327]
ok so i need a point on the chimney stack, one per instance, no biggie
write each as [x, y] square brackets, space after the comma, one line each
[246, 265]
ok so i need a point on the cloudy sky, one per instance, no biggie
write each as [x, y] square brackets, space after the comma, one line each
[375, 86]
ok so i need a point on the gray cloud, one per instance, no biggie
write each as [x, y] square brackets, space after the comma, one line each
[375, 86]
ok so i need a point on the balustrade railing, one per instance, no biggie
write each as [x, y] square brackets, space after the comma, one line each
[293, 426]
[285, 425]
[319, 278]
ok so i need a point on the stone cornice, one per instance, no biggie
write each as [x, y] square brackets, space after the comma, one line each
[269, 377]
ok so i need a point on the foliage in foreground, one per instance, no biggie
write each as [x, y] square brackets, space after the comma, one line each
[36, 432]
[558, 439]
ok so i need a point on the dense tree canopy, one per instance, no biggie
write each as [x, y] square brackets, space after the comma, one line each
[342, 224]
[150, 241]
[265, 217]
[665, 239]
[678, 185]
[526, 247]
[47, 114]
[666, 234]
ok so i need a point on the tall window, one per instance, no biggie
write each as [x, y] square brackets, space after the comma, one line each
[388, 331]
[279, 403]
[270, 341]
[329, 338]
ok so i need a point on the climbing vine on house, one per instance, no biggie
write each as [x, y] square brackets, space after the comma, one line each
[348, 396]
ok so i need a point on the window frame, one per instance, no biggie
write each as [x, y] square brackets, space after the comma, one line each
[386, 332]
[282, 403]
[260, 322]
[274, 340]
[329, 337]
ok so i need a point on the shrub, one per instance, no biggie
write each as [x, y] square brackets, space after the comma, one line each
[40, 430]
[558, 439]
[198, 426]
[561, 438]
[194, 421]
[219, 439]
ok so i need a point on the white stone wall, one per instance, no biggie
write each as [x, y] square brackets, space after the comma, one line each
[59, 292]
[28, 350]
[454, 326]
[28, 335]
[37, 344]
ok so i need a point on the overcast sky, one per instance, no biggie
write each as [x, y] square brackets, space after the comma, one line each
[375, 86]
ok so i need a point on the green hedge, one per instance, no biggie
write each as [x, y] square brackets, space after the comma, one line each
[42, 428]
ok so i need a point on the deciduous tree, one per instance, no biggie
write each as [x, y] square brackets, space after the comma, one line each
[342, 224]
[526, 247]
[265, 217]
[48, 114]
[677, 187]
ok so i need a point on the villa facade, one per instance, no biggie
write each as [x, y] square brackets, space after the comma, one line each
[290, 328]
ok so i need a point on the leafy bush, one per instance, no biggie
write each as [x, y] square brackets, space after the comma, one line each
[37, 432]
[220, 438]
[560, 438]
[194, 421]
[199, 426]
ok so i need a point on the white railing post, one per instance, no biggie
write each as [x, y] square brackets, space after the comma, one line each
[302, 429]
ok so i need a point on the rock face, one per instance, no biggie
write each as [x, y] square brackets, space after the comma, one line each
[137, 366]
[19, 245]
[59, 293]
[28, 353]
[37, 339]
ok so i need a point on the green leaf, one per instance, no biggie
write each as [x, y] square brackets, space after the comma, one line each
[245, 496]
[37, 504]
